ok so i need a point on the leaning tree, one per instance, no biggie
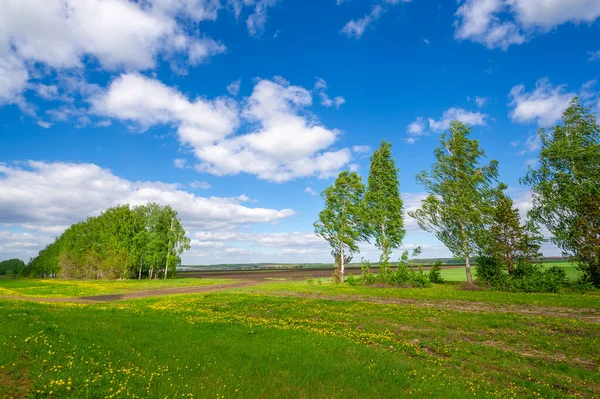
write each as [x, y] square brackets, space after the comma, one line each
[461, 191]
[340, 223]
[566, 187]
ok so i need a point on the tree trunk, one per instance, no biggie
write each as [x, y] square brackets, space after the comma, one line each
[141, 267]
[468, 269]
[341, 263]
[150, 275]
[168, 250]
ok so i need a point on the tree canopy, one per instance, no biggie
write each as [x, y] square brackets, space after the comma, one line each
[384, 216]
[340, 223]
[122, 242]
[460, 199]
[11, 266]
[566, 187]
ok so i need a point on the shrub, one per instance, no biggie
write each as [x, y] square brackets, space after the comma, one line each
[435, 274]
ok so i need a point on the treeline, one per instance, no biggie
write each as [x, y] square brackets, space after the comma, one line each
[123, 242]
[468, 210]
[11, 267]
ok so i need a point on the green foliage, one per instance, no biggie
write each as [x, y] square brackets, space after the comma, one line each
[566, 187]
[503, 238]
[11, 267]
[121, 243]
[340, 223]
[460, 199]
[435, 273]
[367, 275]
[384, 215]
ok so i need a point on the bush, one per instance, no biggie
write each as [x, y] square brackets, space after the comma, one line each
[435, 274]
[490, 270]
[532, 277]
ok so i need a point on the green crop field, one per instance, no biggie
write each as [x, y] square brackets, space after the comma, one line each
[299, 339]
[458, 274]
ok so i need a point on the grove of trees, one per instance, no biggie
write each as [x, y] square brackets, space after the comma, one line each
[469, 211]
[123, 242]
[11, 267]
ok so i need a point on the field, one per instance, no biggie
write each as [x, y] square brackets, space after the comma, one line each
[294, 338]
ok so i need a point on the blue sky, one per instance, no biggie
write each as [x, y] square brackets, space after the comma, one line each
[239, 113]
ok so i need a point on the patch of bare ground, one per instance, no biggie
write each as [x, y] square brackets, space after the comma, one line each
[13, 385]
[586, 314]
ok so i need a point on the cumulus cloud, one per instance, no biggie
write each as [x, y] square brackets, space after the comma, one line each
[117, 34]
[50, 196]
[147, 102]
[459, 114]
[284, 142]
[356, 28]
[544, 105]
[502, 23]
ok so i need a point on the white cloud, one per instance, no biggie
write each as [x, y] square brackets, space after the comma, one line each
[544, 105]
[467, 117]
[274, 110]
[361, 149]
[501, 23]
[532, 144]
[234, 87]
[118, 34]
[180, 163]
[356, 28]
[13, 78]
[594, 55]
[410, 140]
[44, 124]
[417, 127]
[50, 196]
[310, 191]
[480, 101]
[200, 184]
[257, 20]
[136, 98]
[321, 89]
[426, 41]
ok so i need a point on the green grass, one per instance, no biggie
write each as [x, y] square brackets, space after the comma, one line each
[256, 346]
[75, 288]
[300, 339]
[458, 274]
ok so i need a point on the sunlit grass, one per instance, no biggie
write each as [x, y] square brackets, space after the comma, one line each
[76, 288]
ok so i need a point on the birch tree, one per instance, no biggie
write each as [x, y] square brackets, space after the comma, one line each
[384, 216]
[340, 223]
[566, 187]
[460, 200]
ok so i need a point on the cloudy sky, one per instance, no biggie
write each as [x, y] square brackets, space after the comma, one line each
[238, 113]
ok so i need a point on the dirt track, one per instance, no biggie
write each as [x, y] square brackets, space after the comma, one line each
[135, 295]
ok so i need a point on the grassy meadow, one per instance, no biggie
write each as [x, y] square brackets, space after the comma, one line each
[301, 339]
[56, 288]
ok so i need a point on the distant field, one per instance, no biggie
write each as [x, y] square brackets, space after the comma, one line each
[459, 274]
